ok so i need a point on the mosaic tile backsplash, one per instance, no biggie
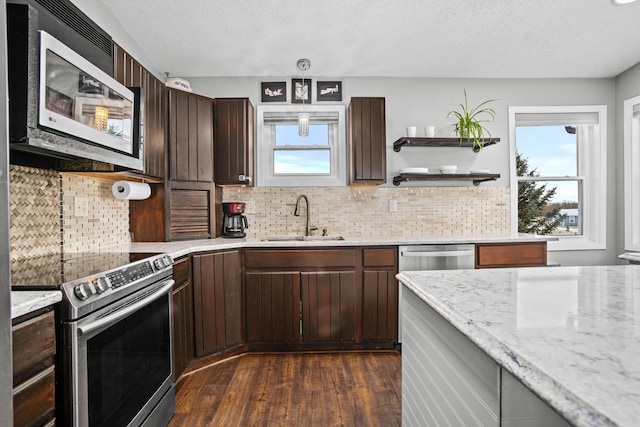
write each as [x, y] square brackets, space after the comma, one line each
[363, 211]
[44, 220]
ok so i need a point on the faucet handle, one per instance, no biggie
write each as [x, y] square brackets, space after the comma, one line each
[324, 232]
[313, 228]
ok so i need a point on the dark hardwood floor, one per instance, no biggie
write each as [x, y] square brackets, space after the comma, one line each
[293, 389]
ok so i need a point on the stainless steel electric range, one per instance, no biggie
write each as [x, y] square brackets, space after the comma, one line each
[114, 336]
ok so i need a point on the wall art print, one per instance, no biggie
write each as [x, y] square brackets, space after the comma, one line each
[274, 91]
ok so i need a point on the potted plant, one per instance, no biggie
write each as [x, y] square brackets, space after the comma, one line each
[469, 123]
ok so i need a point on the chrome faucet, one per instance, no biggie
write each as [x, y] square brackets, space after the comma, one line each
[296, 212]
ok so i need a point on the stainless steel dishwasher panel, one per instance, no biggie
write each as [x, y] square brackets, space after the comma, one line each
[432, 257]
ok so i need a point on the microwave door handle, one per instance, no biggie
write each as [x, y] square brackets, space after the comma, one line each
[121, 314]
[434, 254]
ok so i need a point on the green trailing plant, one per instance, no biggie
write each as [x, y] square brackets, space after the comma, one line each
[469, 122]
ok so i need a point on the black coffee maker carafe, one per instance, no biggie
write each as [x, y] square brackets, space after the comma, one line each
[233, 222]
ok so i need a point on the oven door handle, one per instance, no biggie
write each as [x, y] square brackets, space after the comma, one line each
[118, 315]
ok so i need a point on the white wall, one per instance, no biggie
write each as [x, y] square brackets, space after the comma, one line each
[427, 101]
[627, 86]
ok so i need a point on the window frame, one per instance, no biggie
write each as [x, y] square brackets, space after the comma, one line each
[265, 176]
[592, 161]
[631, 175]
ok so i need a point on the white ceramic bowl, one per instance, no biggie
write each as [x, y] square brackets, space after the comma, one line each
[448, 169]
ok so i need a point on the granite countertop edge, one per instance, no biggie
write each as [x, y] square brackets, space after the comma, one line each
[556, 395]
[25, 302]
[181, 248]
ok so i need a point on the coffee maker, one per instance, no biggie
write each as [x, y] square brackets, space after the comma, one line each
[233, 222]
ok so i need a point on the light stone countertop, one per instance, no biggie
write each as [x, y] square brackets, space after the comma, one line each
[186, 247]
[570, 334]
[25, 302]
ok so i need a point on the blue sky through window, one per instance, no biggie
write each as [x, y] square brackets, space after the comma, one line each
[302, 161]
[553, 152]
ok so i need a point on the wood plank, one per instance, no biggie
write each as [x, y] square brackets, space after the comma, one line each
[301, 389]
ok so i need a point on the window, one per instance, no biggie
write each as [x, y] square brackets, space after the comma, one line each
[632, 174]
[286, 159]
[565, 147]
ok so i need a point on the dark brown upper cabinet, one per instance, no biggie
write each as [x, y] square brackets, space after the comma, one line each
[367, 140]
[129, 72]
[233, 141]
[190, 137]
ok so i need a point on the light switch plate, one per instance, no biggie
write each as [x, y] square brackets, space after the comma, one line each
[81, 206]
[393, 205]
[250, 207]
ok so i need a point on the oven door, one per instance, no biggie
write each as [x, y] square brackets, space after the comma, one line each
[120, 362]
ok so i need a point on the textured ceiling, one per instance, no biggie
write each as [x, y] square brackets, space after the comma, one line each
[407, 38]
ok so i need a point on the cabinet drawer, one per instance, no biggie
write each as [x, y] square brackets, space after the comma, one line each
[34, 400]
[300, 259]
[182, 271]
[33, 346]
[511, 255]
[381, 257]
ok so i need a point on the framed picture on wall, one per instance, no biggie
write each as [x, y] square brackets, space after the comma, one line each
[274, 91]
[301, 91]
[329, 91]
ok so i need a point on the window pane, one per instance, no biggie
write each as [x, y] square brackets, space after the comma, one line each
[301, 162]
[535, 216]
[288, 135]
[550, 150]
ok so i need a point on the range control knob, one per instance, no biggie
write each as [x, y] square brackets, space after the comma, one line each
[101, 284]
[160, 263]
[83, 291]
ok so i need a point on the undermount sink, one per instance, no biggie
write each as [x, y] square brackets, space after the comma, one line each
[301, 238]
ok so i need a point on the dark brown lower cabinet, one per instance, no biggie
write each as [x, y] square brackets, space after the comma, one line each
[379, 295]
[218, 301]
[272, 307]
[182, 316]
[379, 306]
[330, 298]
[529, 254]
[34, 349]
[329, 306]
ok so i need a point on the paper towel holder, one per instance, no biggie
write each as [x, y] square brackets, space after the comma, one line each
[129, 190]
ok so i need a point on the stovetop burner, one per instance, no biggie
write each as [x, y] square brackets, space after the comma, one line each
[51, 271]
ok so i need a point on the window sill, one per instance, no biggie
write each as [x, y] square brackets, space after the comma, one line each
[574, 244]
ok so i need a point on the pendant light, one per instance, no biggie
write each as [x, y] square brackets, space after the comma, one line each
[303, 118]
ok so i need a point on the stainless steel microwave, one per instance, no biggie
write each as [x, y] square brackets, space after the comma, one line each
[69, 108]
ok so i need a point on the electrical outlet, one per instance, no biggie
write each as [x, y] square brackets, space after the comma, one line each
[81, 206]
[393, 205]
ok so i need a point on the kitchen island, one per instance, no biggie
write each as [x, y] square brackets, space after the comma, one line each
[507, 346]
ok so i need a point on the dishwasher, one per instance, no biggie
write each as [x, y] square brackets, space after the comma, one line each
[432, 257]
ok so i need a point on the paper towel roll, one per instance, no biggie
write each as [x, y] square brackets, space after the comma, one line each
[131, 190]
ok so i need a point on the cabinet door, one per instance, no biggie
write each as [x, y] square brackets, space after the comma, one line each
[380, 305]
[155, 123]
[272, 309]
[182, 316]
[233, 136]
[218, 301]
[130, 73]
[511, 255]
[34, 370]
[367, 140]
[191, 210]
[190, 137]
[329, 311]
